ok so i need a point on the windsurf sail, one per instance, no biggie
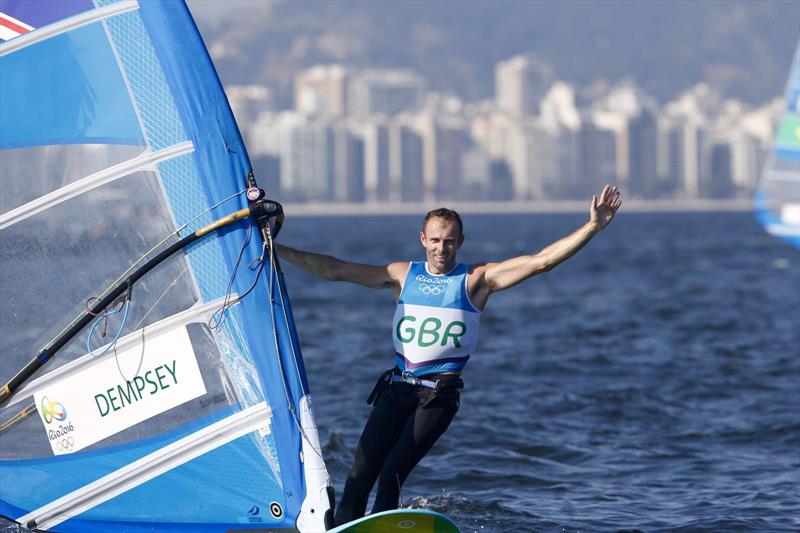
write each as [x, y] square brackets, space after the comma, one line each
[153, 378]
[778, 196]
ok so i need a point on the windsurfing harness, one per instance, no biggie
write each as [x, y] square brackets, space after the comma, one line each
[435, 325]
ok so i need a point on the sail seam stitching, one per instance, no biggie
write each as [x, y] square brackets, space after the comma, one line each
[51, 30]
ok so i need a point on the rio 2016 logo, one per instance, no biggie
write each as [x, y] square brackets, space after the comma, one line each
[53, 411]
[424, 279]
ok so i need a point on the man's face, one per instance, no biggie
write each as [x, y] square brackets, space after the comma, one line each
[441, 239]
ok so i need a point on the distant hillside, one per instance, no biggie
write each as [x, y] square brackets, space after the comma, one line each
[742, 48]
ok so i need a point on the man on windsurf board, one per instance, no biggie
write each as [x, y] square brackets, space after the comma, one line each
[435, 330]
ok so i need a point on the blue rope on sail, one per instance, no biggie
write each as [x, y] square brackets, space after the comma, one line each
[126, 306]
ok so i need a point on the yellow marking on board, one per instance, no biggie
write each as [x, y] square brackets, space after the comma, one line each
[400, 522]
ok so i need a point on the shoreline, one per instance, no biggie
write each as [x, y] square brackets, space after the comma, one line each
[318, 209]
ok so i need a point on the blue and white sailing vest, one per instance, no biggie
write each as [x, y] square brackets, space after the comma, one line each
[435, 325]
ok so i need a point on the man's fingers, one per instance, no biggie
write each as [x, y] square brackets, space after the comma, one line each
[610, 197]
[604, 194]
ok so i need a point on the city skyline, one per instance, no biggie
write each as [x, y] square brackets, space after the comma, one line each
[377, 135]
[374, 130]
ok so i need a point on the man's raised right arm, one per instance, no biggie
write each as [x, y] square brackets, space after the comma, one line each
[328, 267]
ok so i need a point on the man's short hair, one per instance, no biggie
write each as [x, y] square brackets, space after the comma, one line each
[446, 214]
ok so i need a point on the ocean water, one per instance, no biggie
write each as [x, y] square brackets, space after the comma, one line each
[650, 383]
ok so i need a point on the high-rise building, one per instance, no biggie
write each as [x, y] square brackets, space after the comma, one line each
[687, 117]
[533, 157]
[444, 139]
[405, 163]
[721, 177]
[308, 157]
[560, 115]
[669, 154]
[520, 84]
[749, 133]
[346, 152]
[322, 90]
[304, 162]
[617, 123]
[697, 162]
[475, 174]
[614, 109]
[263, 137]
[501, 182]
[642, 158]
[490, 129]
[687, 160]
[452, 139]
[748, 156]
[301, 144]
[558, 107]
[596, 155]
[384, 92]
[247, 103]
[377, 183]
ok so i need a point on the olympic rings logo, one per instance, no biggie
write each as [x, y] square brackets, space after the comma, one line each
[434, 290]
[65, 444]
[53, 410]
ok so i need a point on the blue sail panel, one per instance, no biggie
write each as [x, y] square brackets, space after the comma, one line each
[232, 477]
[66, 90]
[242, 450]
[31, 477]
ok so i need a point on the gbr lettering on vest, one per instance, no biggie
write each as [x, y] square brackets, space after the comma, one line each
[435, 327]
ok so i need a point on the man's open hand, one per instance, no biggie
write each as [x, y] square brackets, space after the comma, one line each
[604, 209]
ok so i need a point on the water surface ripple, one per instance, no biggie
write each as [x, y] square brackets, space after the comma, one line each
[650, 383]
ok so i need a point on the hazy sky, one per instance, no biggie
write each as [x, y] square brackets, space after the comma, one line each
[741, 47]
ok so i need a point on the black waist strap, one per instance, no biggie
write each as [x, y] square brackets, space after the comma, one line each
[431, 381]
[435, 382]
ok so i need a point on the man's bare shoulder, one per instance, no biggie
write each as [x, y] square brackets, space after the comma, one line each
[398, 269]
[478, 269]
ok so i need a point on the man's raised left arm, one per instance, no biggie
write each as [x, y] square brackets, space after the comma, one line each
[498, 276]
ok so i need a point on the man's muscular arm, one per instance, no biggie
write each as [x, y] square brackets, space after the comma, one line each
[334, 269]
[493, 277]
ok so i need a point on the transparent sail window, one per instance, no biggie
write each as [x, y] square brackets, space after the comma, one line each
[56, 261]
[29, 173]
